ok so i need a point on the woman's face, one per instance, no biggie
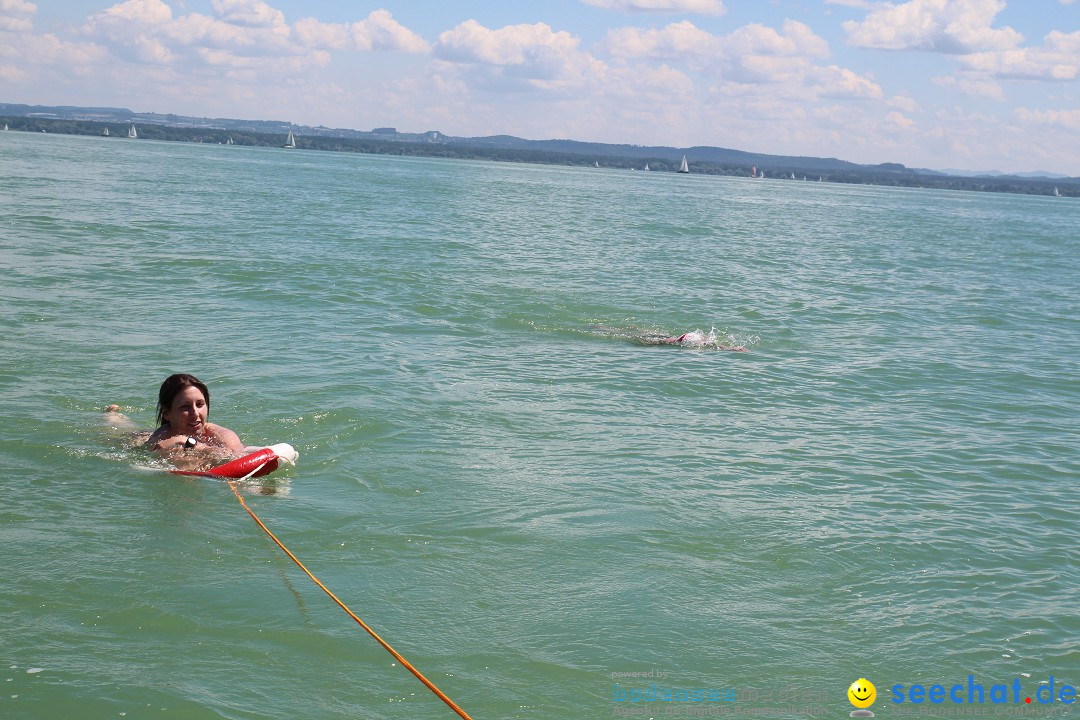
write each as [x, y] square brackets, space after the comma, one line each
[188, 412]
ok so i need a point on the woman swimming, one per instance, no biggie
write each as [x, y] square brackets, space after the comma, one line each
[694, 338]
[184, 436]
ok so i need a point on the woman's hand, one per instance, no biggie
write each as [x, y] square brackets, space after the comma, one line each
[176, 442]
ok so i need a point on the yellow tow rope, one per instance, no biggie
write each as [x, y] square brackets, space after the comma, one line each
[408, 666]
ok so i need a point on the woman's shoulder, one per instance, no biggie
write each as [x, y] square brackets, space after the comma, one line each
[218, 430]
[157, 436]
[225, 436]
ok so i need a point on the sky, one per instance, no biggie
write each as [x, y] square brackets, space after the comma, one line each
[961, 84]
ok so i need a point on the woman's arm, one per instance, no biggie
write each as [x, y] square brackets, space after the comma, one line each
[221, 445]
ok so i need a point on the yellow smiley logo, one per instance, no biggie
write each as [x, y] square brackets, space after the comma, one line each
[862, 693]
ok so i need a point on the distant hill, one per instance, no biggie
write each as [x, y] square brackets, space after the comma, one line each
[998, 173]
[509, 142]
[433, 143]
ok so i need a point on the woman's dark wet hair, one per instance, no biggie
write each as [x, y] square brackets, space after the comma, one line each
[174, 385]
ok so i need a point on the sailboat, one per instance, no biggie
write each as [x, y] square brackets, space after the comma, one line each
[1056, 193]
[684, 168]
[105, 132]
[596, 163]
[229, 141]
[5, 127]
[646, 166]
[291, 142]
[132, 133]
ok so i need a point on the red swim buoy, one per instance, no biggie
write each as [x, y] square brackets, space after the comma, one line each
[241, 467]
[261, 462]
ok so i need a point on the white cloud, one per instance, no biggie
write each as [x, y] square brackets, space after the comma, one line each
[651, 85]
[751, 55]
[1067, 45]
[521, 57]
[903, 102]
[681, 41]
[1063, 119]
[796, 39]
[898, 121]
[702, 7]
[245, 35]
[47, 49]
[946, 26]
[146, 12]
[249, 13]
[861, 4]
[16, 15]
[1057, 59]
[313, 33]
[242, 58]
[685, 42]
[471, 42]
[146, 31]
[29, 51]
[1023, 64]
[379, 31]
[769, 87]
[972, 86]
[841, 83]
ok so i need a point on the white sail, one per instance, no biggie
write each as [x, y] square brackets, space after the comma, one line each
[132, 133]
[684, 168]
[646, 166]
[105, 132]
[1056, 193]
[291, 142]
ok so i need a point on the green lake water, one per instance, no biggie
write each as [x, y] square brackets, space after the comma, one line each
[493, 474]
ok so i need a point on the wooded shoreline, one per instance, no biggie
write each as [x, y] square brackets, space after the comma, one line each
[803, 169]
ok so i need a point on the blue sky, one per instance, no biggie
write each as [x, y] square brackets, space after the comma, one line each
[972, 84]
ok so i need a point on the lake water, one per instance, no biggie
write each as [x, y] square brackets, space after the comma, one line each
[493, 474]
